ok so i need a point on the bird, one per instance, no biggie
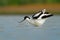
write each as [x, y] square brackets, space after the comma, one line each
[38, 18]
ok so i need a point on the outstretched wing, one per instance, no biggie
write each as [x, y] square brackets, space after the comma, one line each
[37, 15]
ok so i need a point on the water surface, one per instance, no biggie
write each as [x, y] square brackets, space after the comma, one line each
[10, 29]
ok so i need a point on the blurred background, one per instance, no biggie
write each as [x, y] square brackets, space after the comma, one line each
[28, 6]
[13, 11]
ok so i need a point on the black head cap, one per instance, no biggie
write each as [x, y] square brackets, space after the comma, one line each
[26, 17]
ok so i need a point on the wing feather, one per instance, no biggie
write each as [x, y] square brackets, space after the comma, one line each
[37, 15]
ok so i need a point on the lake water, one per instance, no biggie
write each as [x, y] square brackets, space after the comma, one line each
[10, 29]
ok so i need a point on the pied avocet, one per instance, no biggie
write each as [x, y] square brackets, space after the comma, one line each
[38, 18]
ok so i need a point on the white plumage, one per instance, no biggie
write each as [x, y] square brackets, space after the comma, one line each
[36, 22]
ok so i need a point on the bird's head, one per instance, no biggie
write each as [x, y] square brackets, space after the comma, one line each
[26, 17]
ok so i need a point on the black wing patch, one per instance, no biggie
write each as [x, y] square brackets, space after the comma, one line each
[46, 16]
[35, 17]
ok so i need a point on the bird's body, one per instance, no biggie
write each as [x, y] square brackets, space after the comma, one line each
[36, 22]
[38, 18]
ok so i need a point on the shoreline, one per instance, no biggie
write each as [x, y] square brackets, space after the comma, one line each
[27, 9]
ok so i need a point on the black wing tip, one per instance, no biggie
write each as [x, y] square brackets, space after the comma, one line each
[47, 16]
